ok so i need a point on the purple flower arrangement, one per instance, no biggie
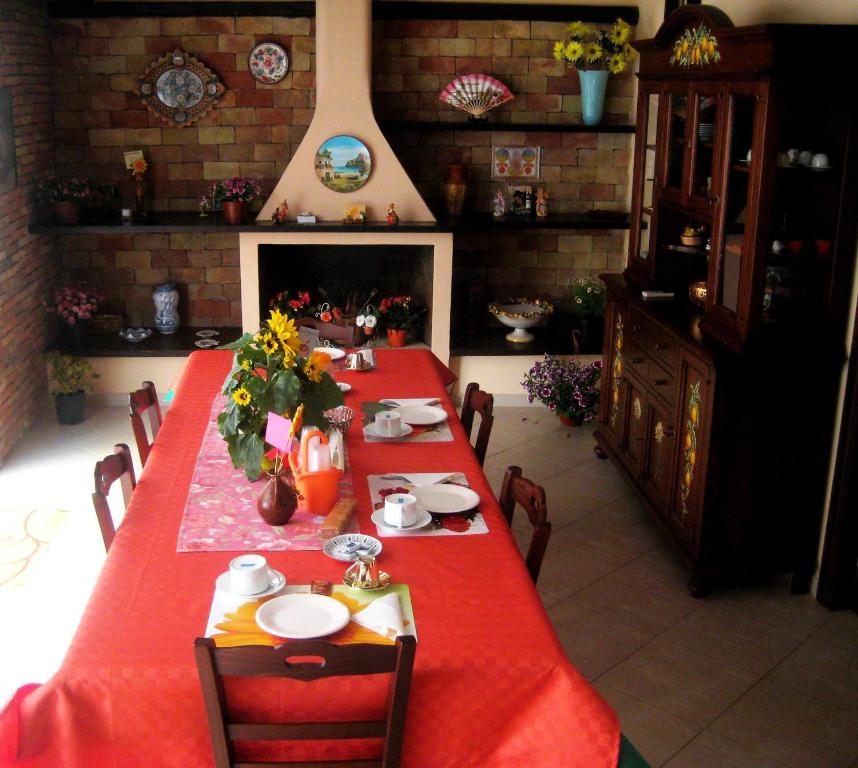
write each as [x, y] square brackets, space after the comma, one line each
[56, 190]
[565, 386]
[73, 303]
[236, 189]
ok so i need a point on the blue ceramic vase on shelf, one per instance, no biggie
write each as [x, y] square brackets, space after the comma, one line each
[593, 84]
[166, 300]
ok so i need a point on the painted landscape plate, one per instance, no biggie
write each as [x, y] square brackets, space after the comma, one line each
[268, 63]
[343, 163]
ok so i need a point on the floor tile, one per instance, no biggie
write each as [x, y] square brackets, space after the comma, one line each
[709, 750]
[841, 626]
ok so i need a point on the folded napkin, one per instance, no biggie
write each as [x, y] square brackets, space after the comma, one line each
[382, 615]
[405, 401]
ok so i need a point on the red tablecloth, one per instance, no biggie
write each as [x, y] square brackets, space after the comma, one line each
[492, 686]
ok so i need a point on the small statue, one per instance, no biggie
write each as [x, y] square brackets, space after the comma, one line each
[541, 203]
[500, 204]
[280, 214]
[203, 205]
[392, 215]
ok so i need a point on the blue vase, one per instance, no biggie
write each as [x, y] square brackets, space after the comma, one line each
[593, 84]
[166, 300]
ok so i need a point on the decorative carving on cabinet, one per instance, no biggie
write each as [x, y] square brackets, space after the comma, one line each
[617, 370]
[695, 48]
[690, 452]
[637, 409]
[179, 89]
[658, 432]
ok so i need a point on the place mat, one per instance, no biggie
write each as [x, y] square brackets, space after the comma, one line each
[232, 618]
[466, 523]
[220, 512]
[436, 433]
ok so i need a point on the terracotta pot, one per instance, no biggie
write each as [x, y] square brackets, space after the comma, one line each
[67, 211]
[367, 331]
[278, 500]
[455, 188]
[396, 337]
[570, 421]
[233, 211]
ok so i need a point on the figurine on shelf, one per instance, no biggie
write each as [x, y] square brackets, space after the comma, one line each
[203, 205]
[392, 215]
[280, 213]
[541, 203]
[500, 204]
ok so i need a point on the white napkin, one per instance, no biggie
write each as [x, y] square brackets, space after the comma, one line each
[383, 615]
[418, 479]
[404, 401]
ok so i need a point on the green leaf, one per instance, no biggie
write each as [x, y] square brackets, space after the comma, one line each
[251, 450]
[245, 338]
[286, 388]
[318, 398]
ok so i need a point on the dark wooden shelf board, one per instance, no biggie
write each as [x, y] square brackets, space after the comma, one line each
[179, 344]
[491, 342]
[482, 222]
[490, 125]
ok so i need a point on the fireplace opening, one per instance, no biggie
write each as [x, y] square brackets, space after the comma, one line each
[342, 273]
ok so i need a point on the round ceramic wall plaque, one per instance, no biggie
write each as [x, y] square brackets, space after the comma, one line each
[343, 163]
[268, 63]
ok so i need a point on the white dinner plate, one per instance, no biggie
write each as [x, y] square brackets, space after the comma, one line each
[423, 519]
[421, 415]
[370, 431]
[349, 546]
[445, 498]
[276, 582]
[302, 616]
[343, 386]
[333, 352]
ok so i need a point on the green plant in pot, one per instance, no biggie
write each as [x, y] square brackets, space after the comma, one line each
[72, 379]
[587, 299]
[400, 315]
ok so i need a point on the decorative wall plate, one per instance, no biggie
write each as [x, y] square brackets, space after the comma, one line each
[343, 163]
[179, 89]
[268, 63]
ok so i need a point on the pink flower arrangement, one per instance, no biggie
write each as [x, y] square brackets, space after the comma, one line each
[54, 190]
[73, 303]
[236, 189]
[401, 312]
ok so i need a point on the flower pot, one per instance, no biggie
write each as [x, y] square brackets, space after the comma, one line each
[396, 337]
[233, 211]
[593, 84]
[70, 408]
[67, 211]
[570, 421]
[72, 336]
[278, 500]
[455, 188]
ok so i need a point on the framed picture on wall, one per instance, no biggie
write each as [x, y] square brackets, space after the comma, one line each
[515, 162]
[8, 172]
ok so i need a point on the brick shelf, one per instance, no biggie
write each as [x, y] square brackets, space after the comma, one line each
[507, 127]
[179, 344]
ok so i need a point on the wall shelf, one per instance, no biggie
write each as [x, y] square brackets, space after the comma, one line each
[179, 344]
[485, 222]
[462, 125]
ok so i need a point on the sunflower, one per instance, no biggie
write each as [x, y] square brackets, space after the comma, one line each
[284, 329]
[616, 63]
[619, 32]
[578, 29]
[241, 396]
[593, 52]
[269, 344]
[316, 365]
[245, 364]
[574, 51]
[560, 50]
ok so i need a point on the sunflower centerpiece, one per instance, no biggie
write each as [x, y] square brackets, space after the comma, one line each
[269, 376]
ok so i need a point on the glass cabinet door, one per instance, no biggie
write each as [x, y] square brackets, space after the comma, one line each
[646, 157]
[677, 140]
[703, 144]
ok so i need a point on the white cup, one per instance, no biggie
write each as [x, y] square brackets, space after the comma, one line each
[388, 423]
[400, 510]
[805, 157]
[793, 154]
[249, 575]
[819, 160]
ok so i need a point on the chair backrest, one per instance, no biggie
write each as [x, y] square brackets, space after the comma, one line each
[140, 402]
[477, 401]
[116, 466]
[336, 660]
[518, 489]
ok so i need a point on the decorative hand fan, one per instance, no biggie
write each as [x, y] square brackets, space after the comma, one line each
[476, 94]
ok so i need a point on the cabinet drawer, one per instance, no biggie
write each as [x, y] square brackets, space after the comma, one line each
[650, 373]
[649, 338]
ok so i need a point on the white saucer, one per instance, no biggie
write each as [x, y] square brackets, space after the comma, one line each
[370, 431]
[445, 498]
[207, 334]
[206, 343]
[349, 546]
[135, 334]
[332, 352]
[422, 415]
[302, 615]
[423, 519]
[277, 582]
[343, 386]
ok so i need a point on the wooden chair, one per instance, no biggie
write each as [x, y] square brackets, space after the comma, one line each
[531, 496]
[477, 401]
[116, 466]
[335, 660]
[140, 402]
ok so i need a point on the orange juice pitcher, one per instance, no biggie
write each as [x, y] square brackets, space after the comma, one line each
[318, 489]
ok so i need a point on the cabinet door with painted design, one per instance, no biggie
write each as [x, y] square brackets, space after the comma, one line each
[612, 401]
[658, 465]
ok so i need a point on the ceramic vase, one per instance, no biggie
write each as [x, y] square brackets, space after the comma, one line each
[455, 188]
[593, 84]
[166, 300]
[67, 212]
[278, 500]
[233, 211]
[70, 408]
[396, 337]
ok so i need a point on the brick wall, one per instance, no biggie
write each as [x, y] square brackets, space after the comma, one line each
[255, 129]
[26, 263]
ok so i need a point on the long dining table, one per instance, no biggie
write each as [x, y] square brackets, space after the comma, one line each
[492, 685]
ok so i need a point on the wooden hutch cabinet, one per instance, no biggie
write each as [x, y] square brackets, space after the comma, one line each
[720, 411]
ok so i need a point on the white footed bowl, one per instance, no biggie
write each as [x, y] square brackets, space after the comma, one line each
[521, 314]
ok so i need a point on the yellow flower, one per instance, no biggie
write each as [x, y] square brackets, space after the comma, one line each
[316, 365]
[241, 396]
[593, 52]
[619, 32]
[245, 365]
[298, 421]
[269, 344]
[284, 329]
[578, 29]
[616, 64]
[559, 50]
[574, 51]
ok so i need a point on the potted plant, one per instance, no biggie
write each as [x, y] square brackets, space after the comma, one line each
[234, 194]
[74, 305]
[565, 387]
[65, 195]
[587, 299]
[72, 379]
[596, 53]
[399, 315]
[367, 320]
[294, 307]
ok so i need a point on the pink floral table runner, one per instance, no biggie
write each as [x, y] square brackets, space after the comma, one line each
[220, 513]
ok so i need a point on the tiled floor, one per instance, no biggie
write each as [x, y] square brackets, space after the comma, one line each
[756, 678]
